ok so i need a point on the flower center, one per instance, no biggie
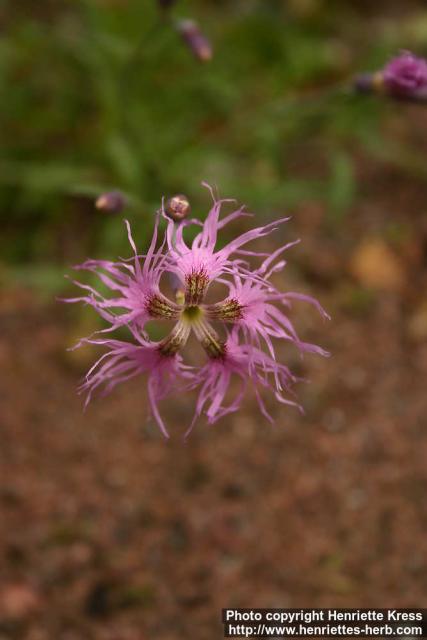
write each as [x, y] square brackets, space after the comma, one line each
[192, 314]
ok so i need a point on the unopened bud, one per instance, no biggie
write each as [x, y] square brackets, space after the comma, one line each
[112, 202]
[196, 41]
[178, 207]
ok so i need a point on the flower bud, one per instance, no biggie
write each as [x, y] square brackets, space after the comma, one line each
[196, 41]
[111, 202]
[178, 207]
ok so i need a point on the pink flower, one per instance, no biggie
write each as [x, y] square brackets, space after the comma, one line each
[254, 314]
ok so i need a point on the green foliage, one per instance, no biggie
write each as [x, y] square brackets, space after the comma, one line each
[342, 186]
[100, 95]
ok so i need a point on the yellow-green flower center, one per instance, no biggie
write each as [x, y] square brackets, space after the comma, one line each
[192, 314]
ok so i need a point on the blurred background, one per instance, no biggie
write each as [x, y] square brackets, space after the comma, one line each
[107, 530]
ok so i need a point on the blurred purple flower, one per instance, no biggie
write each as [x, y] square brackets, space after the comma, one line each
[254, 309]
[406, 76]
[195, 39]
[403, 78]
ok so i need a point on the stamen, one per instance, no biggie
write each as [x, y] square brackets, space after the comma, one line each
[175, 340]
[228, 311]
[196, 285]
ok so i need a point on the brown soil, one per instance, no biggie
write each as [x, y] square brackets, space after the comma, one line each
[110, 532]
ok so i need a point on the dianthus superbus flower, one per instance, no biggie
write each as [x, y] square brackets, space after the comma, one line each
[238, 334]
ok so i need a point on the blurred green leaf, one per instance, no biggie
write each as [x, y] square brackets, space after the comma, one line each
[101, 95]
[342, 186]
